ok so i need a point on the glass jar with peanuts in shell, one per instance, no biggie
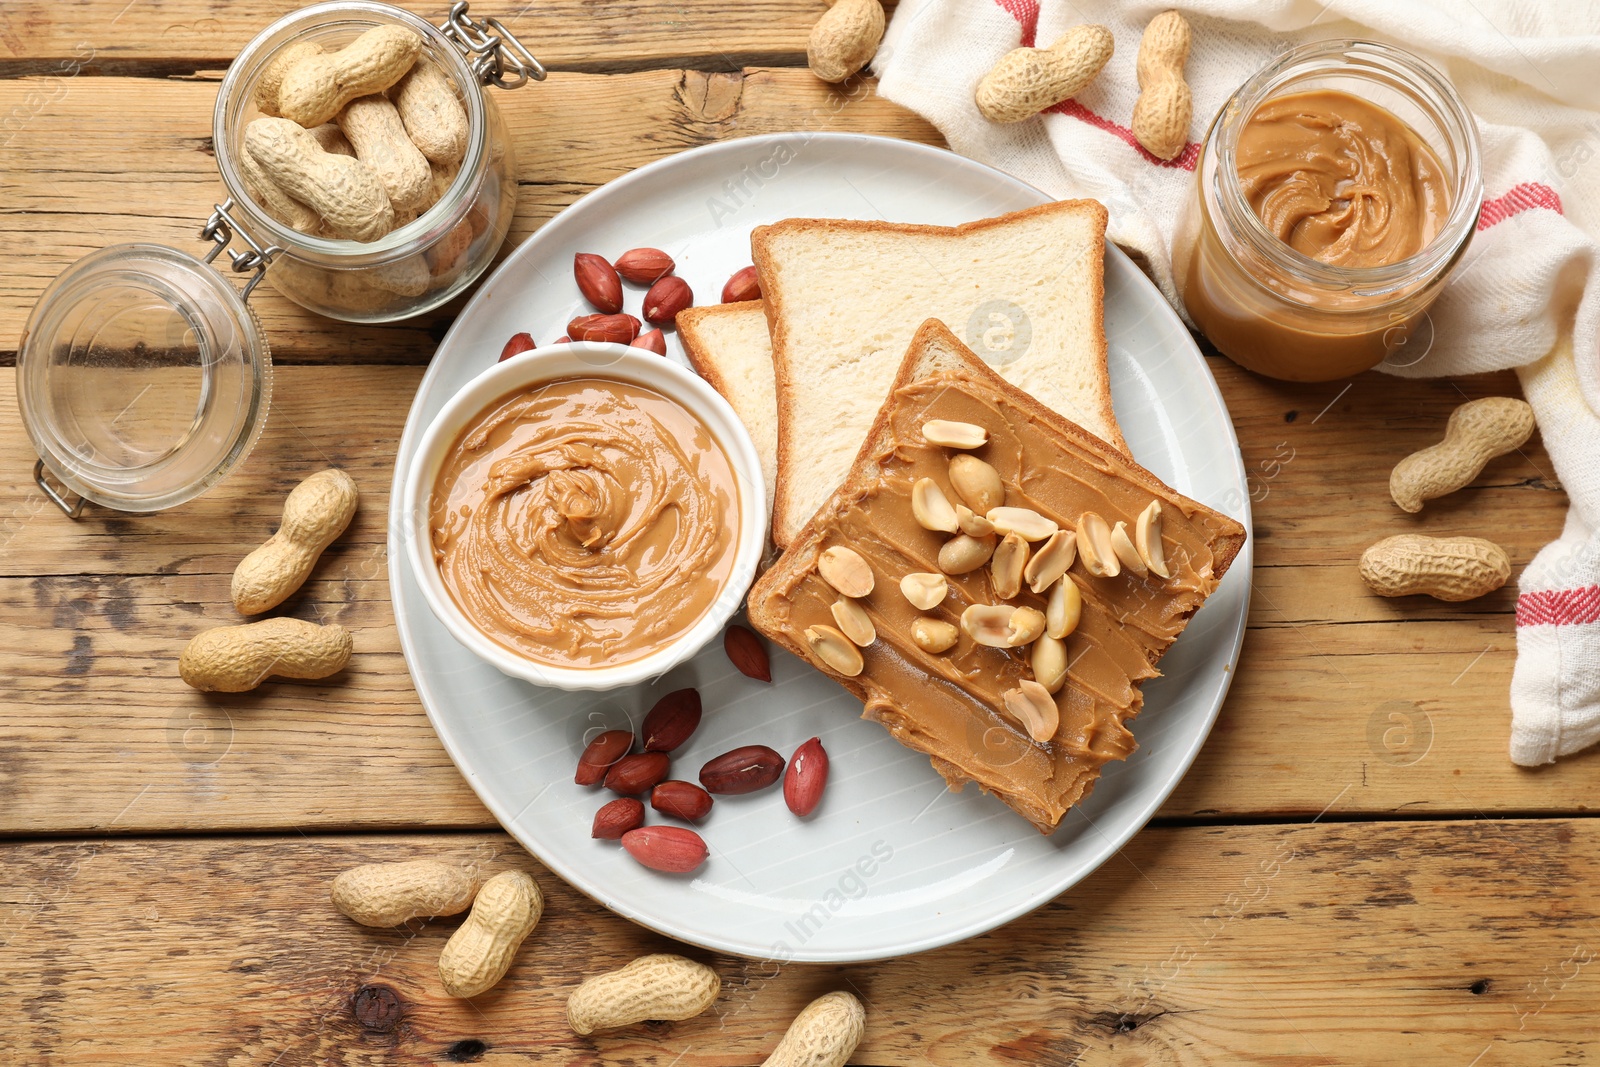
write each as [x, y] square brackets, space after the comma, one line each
[433, 138]
[144, 376]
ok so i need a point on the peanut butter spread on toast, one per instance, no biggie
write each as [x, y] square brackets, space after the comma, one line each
[950, 704]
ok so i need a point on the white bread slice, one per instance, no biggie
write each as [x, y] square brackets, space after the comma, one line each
[729, 347]
[844, 298]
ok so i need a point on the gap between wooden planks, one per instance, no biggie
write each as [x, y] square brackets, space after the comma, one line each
[1396, 706]
[1419, 943]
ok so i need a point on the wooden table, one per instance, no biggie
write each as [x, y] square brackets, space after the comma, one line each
[1353, 872]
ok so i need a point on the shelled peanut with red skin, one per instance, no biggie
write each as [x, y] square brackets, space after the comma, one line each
[665, 299]
[617, 329]
[598, 282]
[806, 777]
[644, 266]
[651, 341]
[600, 754]
[743, 770]
[747, 653]
[672, 720]
[744, 285]
[670, 849]
[681, 800]
[638, 773]
[518, 344]
[617, 818]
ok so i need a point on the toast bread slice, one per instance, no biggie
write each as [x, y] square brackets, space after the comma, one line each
[728, 345]
[843, 299]
[945, 705]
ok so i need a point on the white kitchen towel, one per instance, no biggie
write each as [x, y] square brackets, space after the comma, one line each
[1527, 294]
[1555, 690]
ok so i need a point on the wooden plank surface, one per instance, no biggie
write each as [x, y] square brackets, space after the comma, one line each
[1429, 944]
[610, 36]
[143, 170]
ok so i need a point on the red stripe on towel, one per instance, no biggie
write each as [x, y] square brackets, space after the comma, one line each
[1559, 607]
[1185, 160]
[1527, 196]
[1026, 12]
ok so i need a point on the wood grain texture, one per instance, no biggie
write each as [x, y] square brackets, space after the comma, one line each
[159, 36]
[143, 170]
[1419, 943]
[1391, 705]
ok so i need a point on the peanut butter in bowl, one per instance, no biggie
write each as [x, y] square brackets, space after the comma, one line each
[584, 522]
[583, 518]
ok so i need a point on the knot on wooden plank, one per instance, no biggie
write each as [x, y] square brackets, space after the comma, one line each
[468, 1050]
[377, 1008]
[1124, 1022]
[710, 99]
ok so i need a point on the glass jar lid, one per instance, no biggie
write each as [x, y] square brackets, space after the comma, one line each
[143, 378]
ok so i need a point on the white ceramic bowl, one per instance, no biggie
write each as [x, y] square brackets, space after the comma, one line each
[585, 359]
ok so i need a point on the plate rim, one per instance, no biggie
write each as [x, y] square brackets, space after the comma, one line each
[1236, 628]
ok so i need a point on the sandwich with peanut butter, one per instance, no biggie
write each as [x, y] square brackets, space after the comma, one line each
[994, 582]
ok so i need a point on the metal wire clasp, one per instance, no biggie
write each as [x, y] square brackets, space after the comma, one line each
[72, 511]
[493, 52]
[220, 229]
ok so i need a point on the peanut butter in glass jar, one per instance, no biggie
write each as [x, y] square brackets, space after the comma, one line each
[1334, 194]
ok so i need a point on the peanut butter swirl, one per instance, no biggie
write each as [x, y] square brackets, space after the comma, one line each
[950, 704]
[586, 522]
[1341, 180]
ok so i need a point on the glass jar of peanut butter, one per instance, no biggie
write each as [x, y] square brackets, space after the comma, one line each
[1334, 194]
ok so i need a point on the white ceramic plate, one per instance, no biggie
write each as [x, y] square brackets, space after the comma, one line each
[892, 862]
